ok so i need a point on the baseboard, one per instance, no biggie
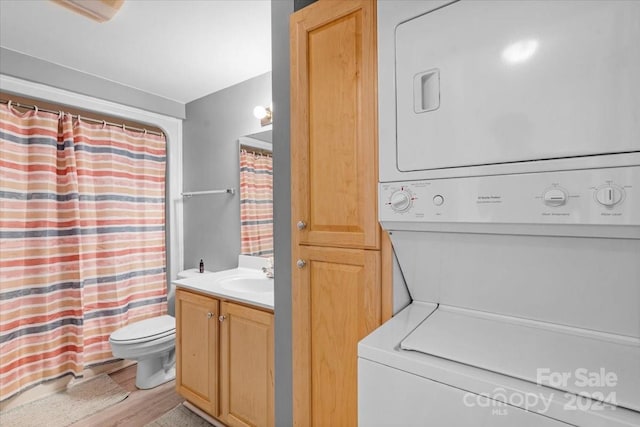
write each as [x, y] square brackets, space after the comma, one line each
[202, 414]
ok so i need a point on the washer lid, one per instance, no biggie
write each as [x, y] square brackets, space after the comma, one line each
[145, 330]
[586, 363]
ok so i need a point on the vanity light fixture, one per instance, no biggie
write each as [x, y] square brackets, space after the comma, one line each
[98, 10]
[265, 114]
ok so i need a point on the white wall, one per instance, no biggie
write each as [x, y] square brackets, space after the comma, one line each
[27, 67]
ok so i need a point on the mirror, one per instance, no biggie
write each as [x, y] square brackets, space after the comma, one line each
[256, 194]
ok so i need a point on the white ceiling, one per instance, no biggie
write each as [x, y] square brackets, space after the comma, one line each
[178, 49]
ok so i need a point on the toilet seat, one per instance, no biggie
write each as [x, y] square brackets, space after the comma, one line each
[151, 329]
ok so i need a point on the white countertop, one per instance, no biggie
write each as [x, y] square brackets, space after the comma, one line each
[214, 284]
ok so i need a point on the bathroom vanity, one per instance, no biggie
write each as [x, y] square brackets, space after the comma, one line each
[224, 345]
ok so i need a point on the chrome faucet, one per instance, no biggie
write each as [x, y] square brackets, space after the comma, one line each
[268, 270]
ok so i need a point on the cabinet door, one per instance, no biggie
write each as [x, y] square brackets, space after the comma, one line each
[336, 303]
[197, 349]
[334, 158]
[246, 366]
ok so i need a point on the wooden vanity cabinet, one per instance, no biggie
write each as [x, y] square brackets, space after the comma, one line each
[197, 349]
[246, 366]
[224, 359]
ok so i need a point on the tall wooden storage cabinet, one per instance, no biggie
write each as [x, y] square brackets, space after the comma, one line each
[337, 263]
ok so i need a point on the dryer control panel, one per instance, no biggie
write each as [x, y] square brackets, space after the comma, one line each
[609, 196]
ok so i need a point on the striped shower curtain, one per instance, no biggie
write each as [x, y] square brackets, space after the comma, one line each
[82, 242]
[256, 204]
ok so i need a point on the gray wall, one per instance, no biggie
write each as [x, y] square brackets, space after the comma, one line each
[299, 4]
[211, 162]
[27, 67]
[280, 12]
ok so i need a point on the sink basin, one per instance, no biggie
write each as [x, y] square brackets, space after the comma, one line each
[247, 284]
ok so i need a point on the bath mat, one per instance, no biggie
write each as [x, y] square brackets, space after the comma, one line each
[179, 417]
[66, 407]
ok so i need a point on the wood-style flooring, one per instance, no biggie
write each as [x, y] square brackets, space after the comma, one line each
[140, 408]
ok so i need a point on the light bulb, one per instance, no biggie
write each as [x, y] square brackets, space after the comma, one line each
[260, 112]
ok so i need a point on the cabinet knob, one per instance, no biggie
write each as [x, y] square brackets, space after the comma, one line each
[209, 315]
[301, 225]
[221, 318]
[301, 263]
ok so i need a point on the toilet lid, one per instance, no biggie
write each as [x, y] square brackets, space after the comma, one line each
[146, 330]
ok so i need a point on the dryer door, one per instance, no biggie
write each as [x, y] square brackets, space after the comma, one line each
[493, 82]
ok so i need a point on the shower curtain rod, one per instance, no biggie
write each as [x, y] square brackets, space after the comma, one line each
[257, 151]
[88, 119]
[231, 191]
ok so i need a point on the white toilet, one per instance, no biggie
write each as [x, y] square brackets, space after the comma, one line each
[152, 343]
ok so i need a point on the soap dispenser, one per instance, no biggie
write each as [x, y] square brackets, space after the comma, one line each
[201, 266]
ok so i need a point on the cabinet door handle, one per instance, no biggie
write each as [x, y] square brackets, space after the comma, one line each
[301, 225]
[301, 263]
[221, 318]
[209, 315]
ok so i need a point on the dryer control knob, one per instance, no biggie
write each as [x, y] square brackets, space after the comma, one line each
[400, 201]
[609, 195]
[555, 197]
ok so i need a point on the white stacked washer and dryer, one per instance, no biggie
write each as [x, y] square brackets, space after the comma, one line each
[509, 138]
